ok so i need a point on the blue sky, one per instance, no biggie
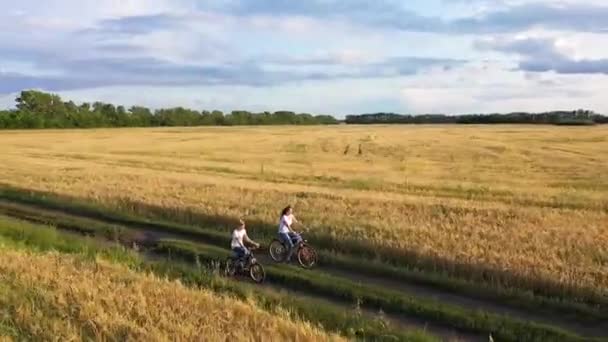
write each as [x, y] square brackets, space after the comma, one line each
[321, 56]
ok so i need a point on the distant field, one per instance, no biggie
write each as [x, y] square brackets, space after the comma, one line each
[531, 201]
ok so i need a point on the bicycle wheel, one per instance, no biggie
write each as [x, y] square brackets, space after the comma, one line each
[277, 250]
[257, 273]
[307, 256]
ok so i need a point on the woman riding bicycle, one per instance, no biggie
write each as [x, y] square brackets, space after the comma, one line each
[286, 234]
[240, 239]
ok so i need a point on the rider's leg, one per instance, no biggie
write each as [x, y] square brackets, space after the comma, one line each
[287, 241]
[239, 252]
[295, 238]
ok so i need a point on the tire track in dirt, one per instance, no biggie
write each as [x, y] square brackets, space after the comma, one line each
[147, 236]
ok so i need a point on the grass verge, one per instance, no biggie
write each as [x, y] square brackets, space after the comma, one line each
[129, 212]
[371, 265]
[327, 285]
[501, 327]
[19, 234]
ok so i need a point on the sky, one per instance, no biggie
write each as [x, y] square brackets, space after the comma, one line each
[317, 56]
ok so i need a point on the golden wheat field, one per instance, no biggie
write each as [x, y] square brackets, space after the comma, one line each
[59, 297]
[530, 200]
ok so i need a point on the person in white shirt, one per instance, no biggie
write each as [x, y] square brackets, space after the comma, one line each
[286, 234]
[240, 240]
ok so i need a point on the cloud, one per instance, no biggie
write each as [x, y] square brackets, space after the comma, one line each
[405, 51]
[209, 46]
[502, 16]
[492, 87]
[577, 16]
[175, 49]
[136, 24]
[90, 73]
[542, 55]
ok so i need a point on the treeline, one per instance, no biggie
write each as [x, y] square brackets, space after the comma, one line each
[37, 109]
[577, 117]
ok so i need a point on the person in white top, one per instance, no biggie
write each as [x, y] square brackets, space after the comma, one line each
[286, 234]
[240, 240]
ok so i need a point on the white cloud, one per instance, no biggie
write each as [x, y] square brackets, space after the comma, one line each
[484, 88]
[315, 53]
[86, 12]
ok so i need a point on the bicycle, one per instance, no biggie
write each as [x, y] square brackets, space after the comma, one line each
[307, 256]
[247, 266]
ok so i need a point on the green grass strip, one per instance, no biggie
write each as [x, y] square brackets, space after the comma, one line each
[19, 234]
[513, 297]
[507, 296]
[385, 299]
[501, 327]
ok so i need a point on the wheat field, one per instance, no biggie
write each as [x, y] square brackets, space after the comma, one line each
[529, 200]
[55, 297]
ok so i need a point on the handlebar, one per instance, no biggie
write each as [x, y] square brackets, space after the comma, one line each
[305, 229]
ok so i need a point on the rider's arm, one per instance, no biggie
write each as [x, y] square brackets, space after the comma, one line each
[290, 229]
[294, 221]
[246, 239]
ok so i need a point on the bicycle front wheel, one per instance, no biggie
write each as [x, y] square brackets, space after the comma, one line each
[307, 256]
[257, 273]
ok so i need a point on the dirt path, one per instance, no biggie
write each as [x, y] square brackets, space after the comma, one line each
[589, 330]
[147, 238]
[145, 235]
[395, 320]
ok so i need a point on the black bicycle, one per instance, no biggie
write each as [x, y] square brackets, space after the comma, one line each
[245, 266]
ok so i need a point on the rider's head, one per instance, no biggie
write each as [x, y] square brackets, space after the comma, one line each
[286, 211]
[241, 223]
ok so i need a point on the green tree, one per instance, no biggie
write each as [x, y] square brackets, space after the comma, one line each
[140, 116]
[48, 106]
[36, 109]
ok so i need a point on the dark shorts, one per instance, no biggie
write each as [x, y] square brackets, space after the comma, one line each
[240, 252]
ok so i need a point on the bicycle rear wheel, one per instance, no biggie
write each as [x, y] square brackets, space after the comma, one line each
[277, 250]
[229, 268]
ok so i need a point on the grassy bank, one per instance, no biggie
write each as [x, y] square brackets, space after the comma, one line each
[560, 303]
[504, 328]
[22, 235]
[59, 297]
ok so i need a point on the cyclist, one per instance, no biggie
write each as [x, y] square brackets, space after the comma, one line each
[286, 234]
[240, 240]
